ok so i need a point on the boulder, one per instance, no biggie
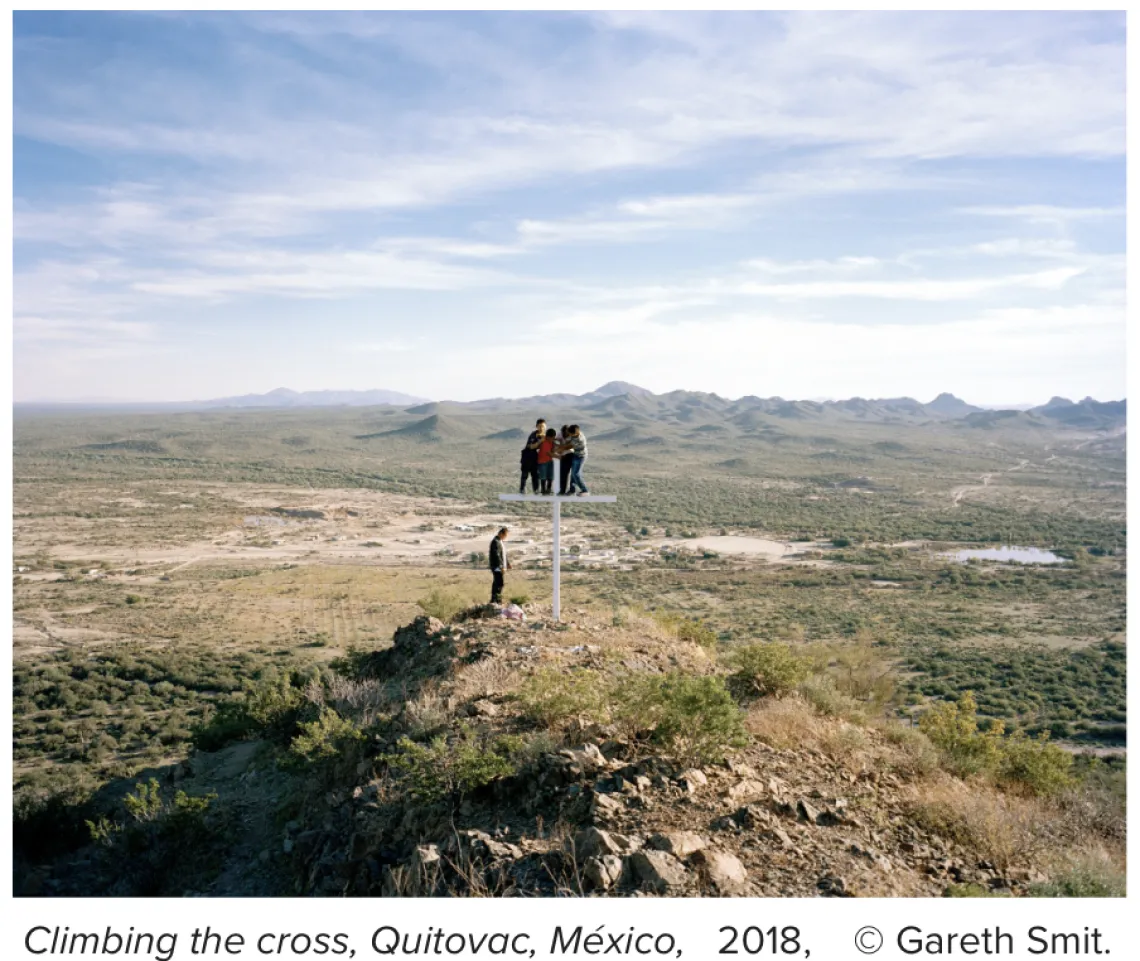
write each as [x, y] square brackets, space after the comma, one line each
[745, 790]
[604, 872]
[595, 843]
[605, 806]
[657, 870]
[484, 708]
[587, 760]
[479, 844]
[722, 870]
[752, 816]
[692, 780]
[809, 812]
[681, 844]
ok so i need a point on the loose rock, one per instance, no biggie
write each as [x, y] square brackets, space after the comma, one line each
[659, 871]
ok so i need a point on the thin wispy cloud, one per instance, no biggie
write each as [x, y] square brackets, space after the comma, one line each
[455, 184]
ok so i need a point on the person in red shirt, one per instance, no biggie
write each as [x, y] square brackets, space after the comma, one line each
[546, 462]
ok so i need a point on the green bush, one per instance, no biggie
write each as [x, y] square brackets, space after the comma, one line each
[551, 697]
[687, 629]
[269, 709]
[446, 770]
[952, 726]
[1035, 765]
[821, 692]
[146, 803]
[520, 599]
[1017, 762]
[442, 605]
[766, 670]
[329, 736]
[1082, 882]
[693, 717]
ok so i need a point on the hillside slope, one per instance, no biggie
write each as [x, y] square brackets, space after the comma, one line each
[494, 757]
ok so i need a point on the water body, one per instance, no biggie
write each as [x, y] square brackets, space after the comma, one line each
[1019, 555]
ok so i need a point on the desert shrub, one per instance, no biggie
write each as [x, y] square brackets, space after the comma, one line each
[821, 693]
[520, 599]
[444, 770]
[550, 697]
[1087, 878]
[440, 604]
[1034, 765]
[145, 804]
[692, 716]
[1003, 829]
[687, 629]
[426, 714]
[269, 709]
[365, 701]
[861, 671]
[329, 736]
[1029, 765]
[48, 819]
[953, 728]
[766, 670]
[157, 833]
[917, 755]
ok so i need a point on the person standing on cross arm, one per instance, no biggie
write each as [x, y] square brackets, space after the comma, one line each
[499, 564]
[529, 463]
[578, 458]
[561, 451]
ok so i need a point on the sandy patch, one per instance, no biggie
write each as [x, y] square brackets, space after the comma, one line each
[752, 546]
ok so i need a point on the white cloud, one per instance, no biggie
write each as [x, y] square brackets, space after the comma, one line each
[452, 154]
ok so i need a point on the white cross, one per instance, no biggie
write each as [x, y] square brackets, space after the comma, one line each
[556, 518]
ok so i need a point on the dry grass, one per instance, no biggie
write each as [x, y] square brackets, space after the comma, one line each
[489, 676]
[1005, 829]
[791, 722]
[364, 701]
[426, 714]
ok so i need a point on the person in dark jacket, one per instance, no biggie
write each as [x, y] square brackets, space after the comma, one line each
[565, 462]
[529, 462]
[499, 564]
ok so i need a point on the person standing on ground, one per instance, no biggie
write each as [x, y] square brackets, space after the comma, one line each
[578, 458]
[529, 463]
[561, 451]
[499, 564]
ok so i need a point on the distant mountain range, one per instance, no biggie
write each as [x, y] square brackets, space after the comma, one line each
[639, 408]
[283, 397]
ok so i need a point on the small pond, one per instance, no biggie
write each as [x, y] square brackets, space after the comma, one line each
[1019, 555]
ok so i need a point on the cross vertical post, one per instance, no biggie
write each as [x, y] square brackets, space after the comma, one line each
[556, 524]
[555, 502]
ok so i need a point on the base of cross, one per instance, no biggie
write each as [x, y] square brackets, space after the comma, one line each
[556, 501]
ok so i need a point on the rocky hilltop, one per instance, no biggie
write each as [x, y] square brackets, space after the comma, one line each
[489, 756]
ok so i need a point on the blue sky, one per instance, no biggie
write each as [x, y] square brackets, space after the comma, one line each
[470, 205]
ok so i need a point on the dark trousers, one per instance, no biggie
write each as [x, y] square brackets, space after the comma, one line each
[497, 587]
[564, 472]
[531, 471]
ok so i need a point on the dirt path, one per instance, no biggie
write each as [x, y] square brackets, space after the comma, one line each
[958, 493]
